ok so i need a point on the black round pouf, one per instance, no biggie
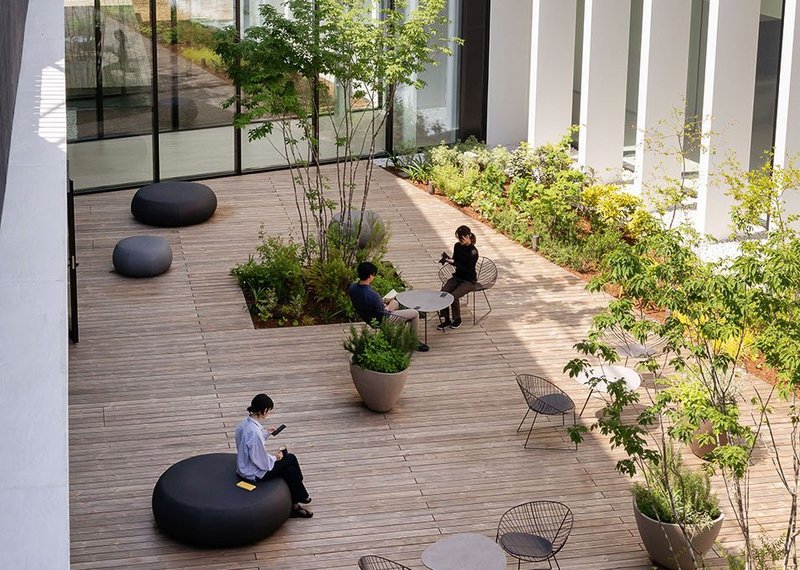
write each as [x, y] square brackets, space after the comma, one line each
[196, 501]
[173, 204]
[142, 256]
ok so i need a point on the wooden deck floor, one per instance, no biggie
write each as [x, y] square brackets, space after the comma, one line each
[166, 366]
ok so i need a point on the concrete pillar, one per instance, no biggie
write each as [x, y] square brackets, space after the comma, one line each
[727, 105]
[509, 72]
[552, 63]
[662, 92]
[603, 86]
[787, 128]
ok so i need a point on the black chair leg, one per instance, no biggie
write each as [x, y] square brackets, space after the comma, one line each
[523, 420]
[475, 321]
[533, 423]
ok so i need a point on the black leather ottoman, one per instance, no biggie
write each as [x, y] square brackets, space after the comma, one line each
[173, 204]
[196, 501]
[142, 256]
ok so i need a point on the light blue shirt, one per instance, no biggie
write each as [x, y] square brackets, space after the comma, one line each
[252, 459]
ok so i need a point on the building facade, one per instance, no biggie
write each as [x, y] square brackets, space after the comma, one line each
[131, 92]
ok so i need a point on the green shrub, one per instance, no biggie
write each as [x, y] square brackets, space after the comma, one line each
[385, 349]
[671, 483]
[327, 282]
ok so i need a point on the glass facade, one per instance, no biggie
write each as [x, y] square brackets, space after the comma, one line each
[145, 92]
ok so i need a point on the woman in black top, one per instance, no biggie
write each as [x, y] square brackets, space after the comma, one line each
[465, 257]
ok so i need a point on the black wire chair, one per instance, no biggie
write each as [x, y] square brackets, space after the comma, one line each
[535, 531]
[372, 562]
[543, 397]
[486, 271]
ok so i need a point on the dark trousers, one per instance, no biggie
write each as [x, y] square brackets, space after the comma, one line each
[288, 469]
[458, 288]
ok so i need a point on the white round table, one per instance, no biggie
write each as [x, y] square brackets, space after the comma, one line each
[425, 301]
[466, 551]
[607, 373]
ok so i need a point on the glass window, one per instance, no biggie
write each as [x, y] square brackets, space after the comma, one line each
[109, 92]
[429, 116]
[766, 91]
[196, 133]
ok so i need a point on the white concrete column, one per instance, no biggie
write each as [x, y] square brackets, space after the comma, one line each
[604, 78]
[34, 465]
[509, 73]
[662, 91]
[552, 63]
[787, 128]
[727, 105]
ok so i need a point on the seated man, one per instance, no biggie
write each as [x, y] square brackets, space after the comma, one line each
[370, 306]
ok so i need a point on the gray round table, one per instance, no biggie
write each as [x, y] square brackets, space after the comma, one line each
[605, 373]
[466, 551]
[425, 301]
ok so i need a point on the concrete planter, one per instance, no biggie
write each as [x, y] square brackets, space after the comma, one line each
[702, 450]
[379, 390]
[666, 545]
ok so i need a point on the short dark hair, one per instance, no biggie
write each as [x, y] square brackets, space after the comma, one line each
[365, 269]
[261, 403]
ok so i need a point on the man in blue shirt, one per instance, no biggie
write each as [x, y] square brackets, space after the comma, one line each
[370, 305]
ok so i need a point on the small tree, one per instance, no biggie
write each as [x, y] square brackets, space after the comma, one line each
[714, 311]
[339, 62]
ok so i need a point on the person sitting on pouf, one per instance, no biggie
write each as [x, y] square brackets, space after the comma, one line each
[254, 464]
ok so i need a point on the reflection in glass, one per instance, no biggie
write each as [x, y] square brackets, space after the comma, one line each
[429, 116]
[766, 91]
[109, 90]
[191, 88]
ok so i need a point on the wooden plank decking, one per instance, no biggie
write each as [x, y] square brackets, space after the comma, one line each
[166, 366]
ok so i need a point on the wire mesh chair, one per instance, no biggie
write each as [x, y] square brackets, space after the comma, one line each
[535, 531]
[629, 347]
[372, 562]
[486, 271]
[543, 397]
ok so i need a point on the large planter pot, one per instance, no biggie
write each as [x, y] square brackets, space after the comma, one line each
[666, 545]
[702, 450]
[379, 390]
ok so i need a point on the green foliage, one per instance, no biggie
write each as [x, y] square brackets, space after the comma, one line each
[387, 348]
[277, 67]
[541, 164]
[676, 495]
[278, 268]
[289, 292]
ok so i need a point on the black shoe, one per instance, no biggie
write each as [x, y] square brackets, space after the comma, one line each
[422, 347]
[444, 324]
[455, 324]
[305, 501]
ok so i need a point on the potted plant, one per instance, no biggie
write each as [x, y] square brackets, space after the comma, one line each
[699, 418]
[677, 515]
[380, 361]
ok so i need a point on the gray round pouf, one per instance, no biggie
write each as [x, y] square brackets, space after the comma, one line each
[142, 256]
[372, 228]
[173, 204]
[196, 501]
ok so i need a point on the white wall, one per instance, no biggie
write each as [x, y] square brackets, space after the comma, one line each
[509, 72]
[34, 494]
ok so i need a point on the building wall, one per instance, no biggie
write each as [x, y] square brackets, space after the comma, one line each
[12, 27]
[509, 73]
[34, 494]
[600, 141]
